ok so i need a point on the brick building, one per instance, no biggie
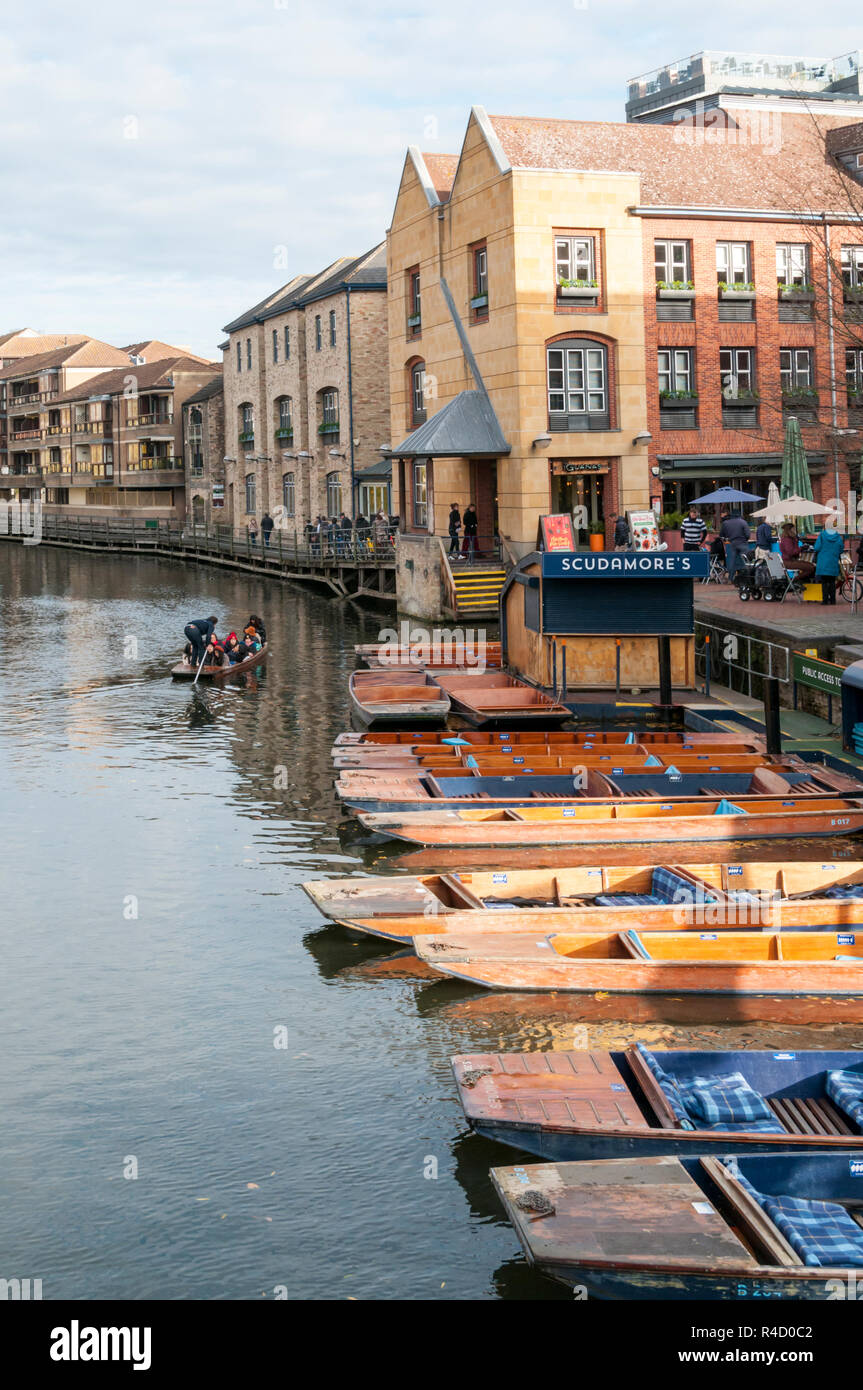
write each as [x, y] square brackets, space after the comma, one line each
[593, 316]
[306, 406]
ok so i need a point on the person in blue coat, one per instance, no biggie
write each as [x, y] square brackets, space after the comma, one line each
[828, 547]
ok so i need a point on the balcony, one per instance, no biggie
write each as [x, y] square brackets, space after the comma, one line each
[100, 427]
[329, 430]
[154, 418]
[26, 434]
[156, 463]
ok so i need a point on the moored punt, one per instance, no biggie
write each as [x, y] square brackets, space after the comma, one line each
[693, 1228]
[514, 757]
[643, 822]
[576, 1106]
[743, 742]
[397, 697]
[490, 698]
[441, 654]
[184, 672]
[743, 966]
[645, 892]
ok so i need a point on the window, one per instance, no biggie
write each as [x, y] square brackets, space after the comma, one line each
[733, 264]
[414, 304]
[374, 498]
[577, 386]
[329, 412]
[249, 353]
[318, 340]
[275, 344]
[418, 409]
[852, 267]
[288, 494]
[251, 493]
[672, 263]
[420, 495]
[479, 299]
[574, 260]
[247, 425]
[675, 372]
[737, 371]
[854, 377]
[334, 494]
[287, 343]
[285, 426]
[792, 263]
[332, 328]
[196, 439]
[795, 369]
[239, 356]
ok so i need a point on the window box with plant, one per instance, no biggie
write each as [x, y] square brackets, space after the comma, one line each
[678, 400]
[675, 289]
[285, 433]
[415, 323]
[247, 438]
[802, 293]
[329, 427]
[853, 294]
[799, 395]
[736, 290]
[578, 289]
[742, 398]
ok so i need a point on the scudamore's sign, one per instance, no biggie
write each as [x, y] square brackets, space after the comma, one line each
[603, 564]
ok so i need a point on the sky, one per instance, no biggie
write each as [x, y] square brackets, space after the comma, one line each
[165, 166]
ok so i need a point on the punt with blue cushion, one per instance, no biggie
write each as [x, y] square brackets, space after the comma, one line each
[796, 1195]
[666, 887]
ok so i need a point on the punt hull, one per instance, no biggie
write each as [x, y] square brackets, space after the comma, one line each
[419, 828]
[558, 1146]
[182, 672]
[432, 714]
[633, 1285]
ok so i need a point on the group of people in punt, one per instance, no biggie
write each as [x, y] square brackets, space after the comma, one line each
[202, 642]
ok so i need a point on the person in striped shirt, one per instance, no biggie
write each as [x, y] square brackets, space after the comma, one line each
[693, 530]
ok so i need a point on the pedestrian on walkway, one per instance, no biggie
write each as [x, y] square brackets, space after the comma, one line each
[253, 531]
[692, 531]
[735, 533]
[267, 525]
[454, 527]
[622, 534]
[828, 548]
[471, 525]
[763, 540]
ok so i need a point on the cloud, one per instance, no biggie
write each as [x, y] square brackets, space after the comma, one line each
[154, 158]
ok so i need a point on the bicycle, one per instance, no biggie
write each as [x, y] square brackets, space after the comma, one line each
[850, 588]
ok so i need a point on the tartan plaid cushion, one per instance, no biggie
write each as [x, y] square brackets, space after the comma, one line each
[822, 1233]
[844, 890]
[846, 1089]
[628, 900]
[725, 1099]
[669, 1088]
[771, 1126]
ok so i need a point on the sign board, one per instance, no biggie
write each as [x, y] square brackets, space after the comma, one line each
[825, 676]
[218, 494]
[644, 530]
[556, 532]
[605, 564]
[567, 467]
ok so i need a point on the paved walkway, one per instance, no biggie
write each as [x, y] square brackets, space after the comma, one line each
[804, 623]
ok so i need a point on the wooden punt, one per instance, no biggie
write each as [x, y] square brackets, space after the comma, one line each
[795, 889]
[490, 699]
[610, 738]
[182, 672]
[743, 966]
[577, 1106]
[527, 757]
[626, 822]
[440, 655]
[397, 697]
[667, 1227]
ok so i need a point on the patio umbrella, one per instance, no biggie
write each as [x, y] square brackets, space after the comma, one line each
[773, 494]
[726, 494]
[791, 508]
[795, 480]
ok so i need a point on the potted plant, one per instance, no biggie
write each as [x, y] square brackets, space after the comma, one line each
[799, 395]
[597, 536]
[853, 294]
[740, 289]
[675, 289]
[669, 529]
[672, 400]
[802, 291]
[577, 289]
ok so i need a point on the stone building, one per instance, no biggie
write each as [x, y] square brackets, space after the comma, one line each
[306, 402]
[204, 455]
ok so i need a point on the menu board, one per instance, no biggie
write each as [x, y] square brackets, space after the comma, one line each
[644, 530]
[556, 532]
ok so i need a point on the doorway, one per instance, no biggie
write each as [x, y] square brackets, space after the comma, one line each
[582, 495]
[483, 494]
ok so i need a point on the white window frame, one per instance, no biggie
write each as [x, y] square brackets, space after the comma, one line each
[854, 369]
[574, 258]
[577, 380]
[420, 494]
[289, 494]
[251, 488]
[287, 343]
[239, 354]
[734, 262]
[330, 406]
[480, 271]
[672, 260]
[792, 263]
[795, 368]
[675, 369]
[736, 371]
[249, 354]
[418, 376]
[852, 267]
[335, 501]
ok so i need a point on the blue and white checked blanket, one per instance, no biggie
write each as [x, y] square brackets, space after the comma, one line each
[822, 1233]
[845, 1088]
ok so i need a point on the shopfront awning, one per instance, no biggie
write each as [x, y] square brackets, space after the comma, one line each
[466, 427]
[726, 466]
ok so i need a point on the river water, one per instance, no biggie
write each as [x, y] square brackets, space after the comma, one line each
[205, 1091]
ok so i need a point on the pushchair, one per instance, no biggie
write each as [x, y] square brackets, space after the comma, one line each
[744, 579]
[774, 582]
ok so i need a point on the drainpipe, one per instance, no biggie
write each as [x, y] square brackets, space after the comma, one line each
[351, 410]
[831, 333]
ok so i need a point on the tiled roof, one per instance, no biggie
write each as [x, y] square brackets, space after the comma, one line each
[154, 350]
[369, 269]
[255, 314]
[789, 170]
[441, 169]
[148, 376]
[88, 353]
[206, 393]
[24, 343]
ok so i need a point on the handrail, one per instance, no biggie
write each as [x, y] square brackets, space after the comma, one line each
[449, 582]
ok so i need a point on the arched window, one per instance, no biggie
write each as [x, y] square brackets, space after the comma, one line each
[578, 389]
[284, 420]
[288, 494]
[328, 408]
[196, 440]
[334, 494]
[251, 494]
[417, 392]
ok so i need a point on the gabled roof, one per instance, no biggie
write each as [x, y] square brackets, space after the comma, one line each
[207, 392]
[26, 342]
[254, 314]
[368, 272]
[154, 350]
[441, 171]
[87, 353]
[466, 427]
[788, 168]
[148, 377]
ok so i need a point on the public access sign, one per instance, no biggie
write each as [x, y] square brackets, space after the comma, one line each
[818, 675]
[605, 564]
